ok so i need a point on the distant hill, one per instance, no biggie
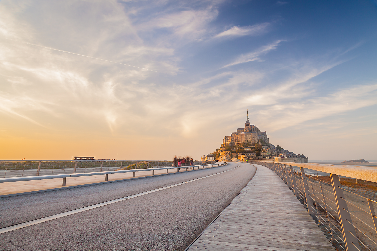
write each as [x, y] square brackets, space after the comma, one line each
[355, 161]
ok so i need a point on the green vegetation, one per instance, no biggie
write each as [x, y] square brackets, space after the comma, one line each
[138, 165]
[258, 149]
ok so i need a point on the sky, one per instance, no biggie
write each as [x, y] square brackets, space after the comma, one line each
[153, 79]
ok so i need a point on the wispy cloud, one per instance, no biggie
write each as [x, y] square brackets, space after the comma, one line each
[280, 115]
[255, 55]
[190, 25]
[280, 3]
[80, 67]
[236, 31]
[21, 105]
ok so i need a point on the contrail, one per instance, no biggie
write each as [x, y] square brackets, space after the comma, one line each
[77, 54]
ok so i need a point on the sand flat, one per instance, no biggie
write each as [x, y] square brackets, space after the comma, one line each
[358, 172]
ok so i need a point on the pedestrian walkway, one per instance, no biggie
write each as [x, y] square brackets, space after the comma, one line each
[265, 216]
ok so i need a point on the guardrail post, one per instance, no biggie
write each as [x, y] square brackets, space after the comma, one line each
[76, 165]
[177, 169]
[348, 230]
[308, 197]
[374, 217]
[39, 167]
[134, 174]
[101, 167]
[64, 181]
[153, 172]
[167, 170]
[106, 177]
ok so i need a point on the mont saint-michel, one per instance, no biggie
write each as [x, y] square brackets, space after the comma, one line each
[250, 143]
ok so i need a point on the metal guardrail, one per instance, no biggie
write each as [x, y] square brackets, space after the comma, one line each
[21, 168]
[348, 219]
[17, 168]
[105, 173]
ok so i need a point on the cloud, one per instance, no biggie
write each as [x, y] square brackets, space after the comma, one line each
[255, 55]
[281, 114]
[77, 72]
[280, 3]
[236, 31]
[295, 86]
[190, 25]
[21, 105]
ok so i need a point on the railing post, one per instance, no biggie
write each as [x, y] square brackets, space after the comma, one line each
[101, 167]
[326, 210]
[348, 230]
[153, 172]
[285, 176]
[64, 181]
[291, 183]
[374, 217]
[76, 165]
[282, 172]
[134, 174]
[39, 167]
[106, 177]
[308, 197]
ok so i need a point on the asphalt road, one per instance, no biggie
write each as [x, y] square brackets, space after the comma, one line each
[166, 219]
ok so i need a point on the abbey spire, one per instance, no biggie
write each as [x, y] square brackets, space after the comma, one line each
[247, 124]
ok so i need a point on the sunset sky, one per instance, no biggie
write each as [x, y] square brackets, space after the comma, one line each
[154, 79]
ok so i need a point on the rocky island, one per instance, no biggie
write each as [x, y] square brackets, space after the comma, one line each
[250, 143]
[356, 161]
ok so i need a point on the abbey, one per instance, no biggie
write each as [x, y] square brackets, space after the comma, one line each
[249, 143]
[250, 135]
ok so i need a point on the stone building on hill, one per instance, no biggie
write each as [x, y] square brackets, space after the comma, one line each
[250, 143]
[249, 135]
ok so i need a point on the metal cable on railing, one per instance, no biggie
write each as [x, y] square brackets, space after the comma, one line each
[349, 191]
[353, 204]
[328, 204]
[374, 242]
[361, 242]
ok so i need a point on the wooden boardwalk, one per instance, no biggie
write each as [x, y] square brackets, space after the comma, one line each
[265, 216]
